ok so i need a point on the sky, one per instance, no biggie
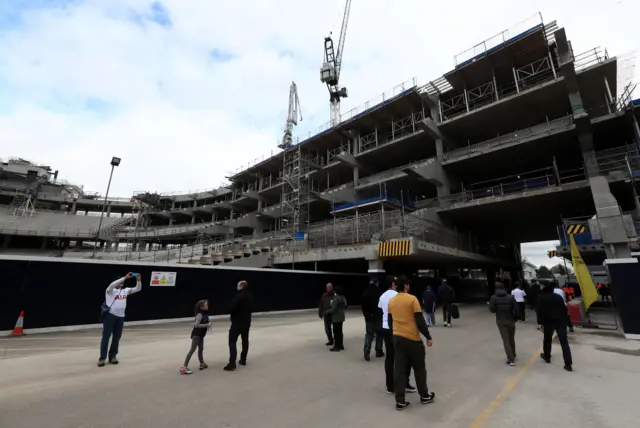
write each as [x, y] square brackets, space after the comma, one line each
[185, 91]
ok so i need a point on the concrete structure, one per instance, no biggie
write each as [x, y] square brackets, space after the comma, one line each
[455, 173]
[292, 381]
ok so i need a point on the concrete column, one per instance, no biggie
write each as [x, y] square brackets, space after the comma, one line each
[86, 212]
[74, 208]
[261, 184]
[260, 205]
[439, 149]
[376, 272]
[122, 214]
[356, 150]
[193, 219]
[108, 210]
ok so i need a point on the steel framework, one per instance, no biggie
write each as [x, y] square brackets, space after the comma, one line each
[295, 194]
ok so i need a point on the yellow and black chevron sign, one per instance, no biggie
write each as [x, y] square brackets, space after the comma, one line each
[575, 229]
[394, 248]
[551, 254]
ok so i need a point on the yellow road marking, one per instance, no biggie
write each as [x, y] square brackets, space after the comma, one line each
[483, 417]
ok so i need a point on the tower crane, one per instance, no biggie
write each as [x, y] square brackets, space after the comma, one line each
[330, 71]
[292, 117]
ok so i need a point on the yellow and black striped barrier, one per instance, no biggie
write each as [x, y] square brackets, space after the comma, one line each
[394, 248]
[551, 254]
[575, 229]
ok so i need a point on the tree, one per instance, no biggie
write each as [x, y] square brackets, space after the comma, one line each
[559, 269]
[543, 272]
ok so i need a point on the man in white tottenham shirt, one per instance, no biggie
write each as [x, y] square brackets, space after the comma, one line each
[519, 294]
[113, 322]
[387, 335]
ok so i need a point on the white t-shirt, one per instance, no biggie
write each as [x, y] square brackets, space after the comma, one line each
[560, 293]
[116, 298]
[519, 295]
[383, 304]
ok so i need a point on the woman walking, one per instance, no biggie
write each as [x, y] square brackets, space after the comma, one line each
[200, 328]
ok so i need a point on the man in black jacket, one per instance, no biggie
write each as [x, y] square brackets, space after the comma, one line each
[372, 320]
[241, 309]
[325, 303]
[447, 297]
[552, 317]
[507, 311]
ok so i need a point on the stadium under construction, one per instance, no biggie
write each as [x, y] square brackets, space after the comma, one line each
[522, 138]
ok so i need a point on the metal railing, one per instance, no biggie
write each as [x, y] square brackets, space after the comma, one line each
[547, 127]
[26, 230]
[344, 117]
[590, 57]
[502, 37]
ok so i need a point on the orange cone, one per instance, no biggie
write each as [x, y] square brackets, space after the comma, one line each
[18, 330]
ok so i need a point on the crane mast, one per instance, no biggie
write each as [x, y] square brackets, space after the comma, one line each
[332, 65]
[292, 117]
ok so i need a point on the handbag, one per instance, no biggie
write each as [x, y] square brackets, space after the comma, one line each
[454, 311]
[104, 308]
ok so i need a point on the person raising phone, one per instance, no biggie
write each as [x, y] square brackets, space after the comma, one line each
[115, 304]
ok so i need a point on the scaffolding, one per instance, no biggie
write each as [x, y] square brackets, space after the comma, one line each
[294, 206]
[23, 204]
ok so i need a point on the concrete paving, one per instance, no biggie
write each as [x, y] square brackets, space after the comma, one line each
[291, 380]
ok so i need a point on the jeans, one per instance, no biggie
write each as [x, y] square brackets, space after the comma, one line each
[430, 316]
[328, 329]
[561, 330]
[410, 353]
[508, 335]
[196, 342]
[523, 308]
[372, 329]
[111, 326]
[339, 337]
[446, 312]
[242, 331]
[389, 360]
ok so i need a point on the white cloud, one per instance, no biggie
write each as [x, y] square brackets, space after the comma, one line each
[180, 119]
[536, 253]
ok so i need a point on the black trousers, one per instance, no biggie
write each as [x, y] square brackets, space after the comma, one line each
[409, 353]
[389, 360]
[327, 328]
[238, 330]
[522, 310]
[337, 333]
[446, 312]
[561, 330]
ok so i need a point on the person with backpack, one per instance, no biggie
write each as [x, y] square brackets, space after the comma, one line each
[113, 309]
[336, 312]
[507, 311]
[199, 331]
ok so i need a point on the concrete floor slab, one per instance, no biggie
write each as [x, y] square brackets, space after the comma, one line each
[293, 381]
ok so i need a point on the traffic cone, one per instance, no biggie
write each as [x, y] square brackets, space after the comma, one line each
[18, 330]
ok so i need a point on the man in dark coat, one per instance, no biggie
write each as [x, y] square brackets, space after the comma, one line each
[241, 309]
[507, 311]
[372, 320]
[552, 317]
[325, 302]
[446, 297]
